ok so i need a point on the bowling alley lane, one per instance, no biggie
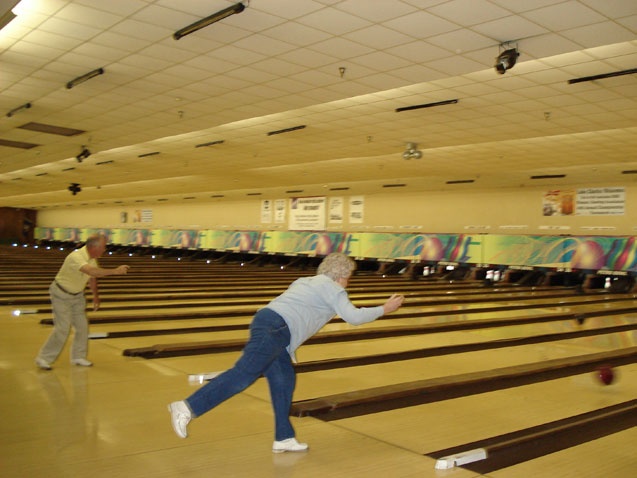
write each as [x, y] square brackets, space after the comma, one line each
[612, 455]
[327, 382]
[213, 295]
[404, 342]
[311, 385]
[440, 425]
[430, 427]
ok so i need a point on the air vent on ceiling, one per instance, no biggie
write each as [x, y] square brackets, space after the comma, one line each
[397, 185]
[17, 144]
[145, 155]
[51, 129]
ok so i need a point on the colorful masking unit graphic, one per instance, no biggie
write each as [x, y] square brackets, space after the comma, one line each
[107, 233]
[612, 253]
[132, 237]
[413, 247]
[242, 241]
[567, 252]
[299, 242]
[584, 253]
[184, 238]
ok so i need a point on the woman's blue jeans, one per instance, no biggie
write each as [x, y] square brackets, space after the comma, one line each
[264, 354]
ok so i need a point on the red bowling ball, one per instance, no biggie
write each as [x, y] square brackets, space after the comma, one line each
[606, 375]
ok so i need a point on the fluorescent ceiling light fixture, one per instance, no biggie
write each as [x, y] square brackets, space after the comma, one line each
[83, 78]
[549, 176]
[25, 106]
[286, 130]
[210, 143]
[428, 105]
[603, 76]
[214, 18]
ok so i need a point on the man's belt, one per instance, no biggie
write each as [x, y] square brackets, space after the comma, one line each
[66, 291]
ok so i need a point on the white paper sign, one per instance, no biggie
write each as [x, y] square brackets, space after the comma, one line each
[307, 214]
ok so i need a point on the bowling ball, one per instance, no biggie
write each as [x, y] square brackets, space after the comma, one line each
[606, 374]
[323, 245]
[588, 255]
[245, 242]
[432, 249]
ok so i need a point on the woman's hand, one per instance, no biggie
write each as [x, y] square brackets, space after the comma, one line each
[393, 303]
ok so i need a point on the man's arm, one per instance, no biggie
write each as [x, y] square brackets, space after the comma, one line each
[95, 292]
[94, 271]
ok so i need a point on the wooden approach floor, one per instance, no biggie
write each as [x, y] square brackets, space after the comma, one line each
[111, 420]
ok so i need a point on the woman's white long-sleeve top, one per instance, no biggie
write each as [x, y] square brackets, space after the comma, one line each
[311, 302]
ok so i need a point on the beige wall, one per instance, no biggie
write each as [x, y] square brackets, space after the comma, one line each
[510, 211]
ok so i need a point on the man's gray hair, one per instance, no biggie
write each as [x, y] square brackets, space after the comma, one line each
[337, 266]
[95, 240]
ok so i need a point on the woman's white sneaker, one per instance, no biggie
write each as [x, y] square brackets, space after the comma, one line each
[180, 416]
[288, 445]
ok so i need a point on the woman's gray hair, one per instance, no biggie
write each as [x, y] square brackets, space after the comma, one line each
[337, 266]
